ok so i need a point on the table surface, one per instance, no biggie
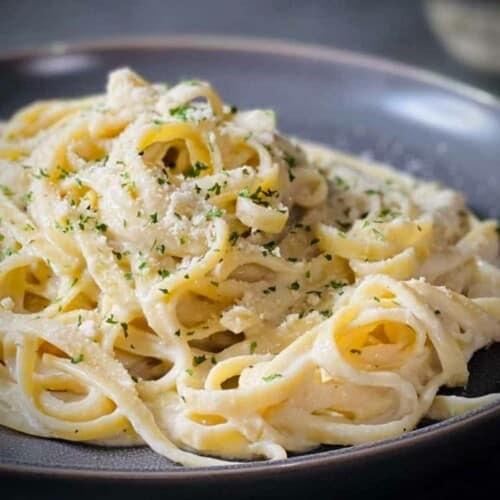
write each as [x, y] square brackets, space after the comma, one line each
[396, 29]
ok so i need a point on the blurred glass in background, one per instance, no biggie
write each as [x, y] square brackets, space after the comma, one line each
[469, 30]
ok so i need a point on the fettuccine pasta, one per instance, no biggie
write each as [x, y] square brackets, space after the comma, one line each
[174, 272]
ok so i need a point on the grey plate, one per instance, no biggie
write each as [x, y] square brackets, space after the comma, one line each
[417, 121]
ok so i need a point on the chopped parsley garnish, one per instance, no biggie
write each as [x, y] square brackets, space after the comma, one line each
[77, 359]
[5, 190]
[216, 189]
[163, 290]
[257, 195]
[111, 320]
[41, 173]
[26, 198]
[345, 226]
[253, 346]
[164, 273]
[336, 284]
[270, 378]
[213, 212]
[290, 160]
[378, 234]
[269, 290]
[371, 192]
[269, 246]
[198, 360]
[196, 169]
[340, 183]
[234, 238]
[153, 218]
[295, 285]
[180, 112]
[125, 329]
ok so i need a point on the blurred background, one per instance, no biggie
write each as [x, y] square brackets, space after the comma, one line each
[458, 38]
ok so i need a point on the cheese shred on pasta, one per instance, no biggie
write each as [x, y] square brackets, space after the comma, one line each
[174, 272]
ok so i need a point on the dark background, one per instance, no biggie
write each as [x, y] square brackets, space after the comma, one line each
[395, 29]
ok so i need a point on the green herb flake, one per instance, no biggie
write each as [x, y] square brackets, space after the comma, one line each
[198, 360]
[196, 169]
[253, 346]
[6, 191]
[213, 212]
[270, 378]
[125, 329]
[179, 112]
[164, 273]
[234, 238]
[336, 285]
[77, 359]
[111, 320]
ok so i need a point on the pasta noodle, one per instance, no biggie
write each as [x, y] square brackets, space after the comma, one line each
[176, 273]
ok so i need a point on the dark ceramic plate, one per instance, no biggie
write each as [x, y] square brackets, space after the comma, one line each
[419, 122]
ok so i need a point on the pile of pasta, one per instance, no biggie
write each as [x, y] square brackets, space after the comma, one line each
[175, 272]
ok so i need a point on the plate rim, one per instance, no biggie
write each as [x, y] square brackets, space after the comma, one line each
[276, 46]
[287, 48]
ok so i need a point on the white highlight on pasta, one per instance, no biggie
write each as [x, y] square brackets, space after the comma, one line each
[176, 273]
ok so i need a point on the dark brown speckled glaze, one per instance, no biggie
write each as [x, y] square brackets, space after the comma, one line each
[414, 120]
